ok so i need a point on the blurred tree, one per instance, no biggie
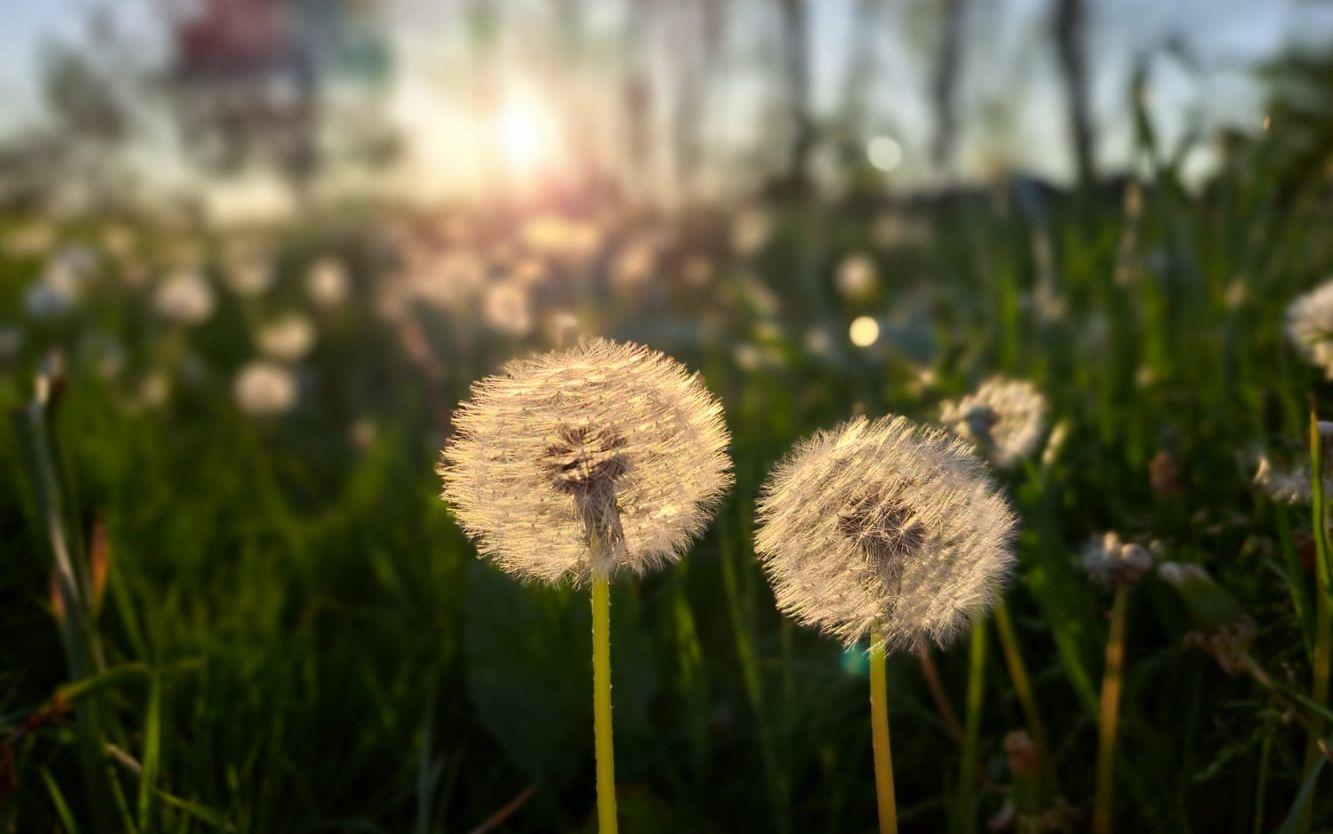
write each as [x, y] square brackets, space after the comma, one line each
[1300, 118]
[1071, 48]
[796, 63]
[252, 79]
[944, 84]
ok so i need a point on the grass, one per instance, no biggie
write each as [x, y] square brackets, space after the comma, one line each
[296, 638]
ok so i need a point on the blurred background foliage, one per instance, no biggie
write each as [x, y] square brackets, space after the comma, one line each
[254, 252]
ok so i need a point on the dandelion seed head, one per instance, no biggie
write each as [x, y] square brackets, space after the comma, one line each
[327, 282]
[1113, 562]
[884, 527]
[289, 338]
[857, 279]
[185, 297]
[603, 439]
[1004, 417]
[265, 388]
[1290, 486]
[508, 308]
[1310, 326]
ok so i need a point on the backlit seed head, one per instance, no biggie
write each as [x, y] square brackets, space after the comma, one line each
[1114, 563]
[605, 448]
[884, 527]
[1310, 326]
[1004, 417]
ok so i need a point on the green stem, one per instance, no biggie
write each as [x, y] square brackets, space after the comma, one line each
[976, 690]
[1323, 629]
[1108, 724]
[601, 690]
[1018, 674]
[879, 727]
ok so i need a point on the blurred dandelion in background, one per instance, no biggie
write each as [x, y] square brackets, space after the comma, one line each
[264, 388]
[1006, 418]
[1310, 326]
[184, 297]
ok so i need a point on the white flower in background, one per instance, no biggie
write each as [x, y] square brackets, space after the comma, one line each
[884, 527]
[751, 231]
[563, 327]
[857, 279]
[508, 309]
[117, 241]
[265, 388]
[446, 281]
[698, 271]
[1290, 486]
[1113, 562]
[51, 296]
[1310, 326]
[1004, 417]
[154, 391]
[634, 265]
[289, 338]
[248, 273]
[30, 240]
[327, 282]
[185, 297]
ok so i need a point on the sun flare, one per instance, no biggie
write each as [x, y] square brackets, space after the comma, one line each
[526, 132]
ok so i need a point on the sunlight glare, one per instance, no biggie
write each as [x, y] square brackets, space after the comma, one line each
[527, 133]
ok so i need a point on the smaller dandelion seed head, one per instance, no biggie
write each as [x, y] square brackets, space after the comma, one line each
[1113, 562]
[185, 297]
[265, 388]
[1310, 326]
[508, 308]
[289, 338]
[1004, 417]
[327, 282]
[1289, 485]
[884, 527]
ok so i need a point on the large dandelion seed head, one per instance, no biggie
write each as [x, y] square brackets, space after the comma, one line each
[603, 451]
[1310, 326]
[1004, 417]
[884, 527]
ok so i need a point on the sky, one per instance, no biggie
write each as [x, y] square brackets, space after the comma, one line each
[1008, 73]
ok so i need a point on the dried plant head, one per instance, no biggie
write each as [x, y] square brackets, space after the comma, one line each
[1310, 326]
[605, 450]
[884, 527]
[1004, 417]
[1113, 562]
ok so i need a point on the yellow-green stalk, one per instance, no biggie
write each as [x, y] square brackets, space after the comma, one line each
[879, 730]
[601, 694]
[1323, 636]
[1018, 675]
[976, 691]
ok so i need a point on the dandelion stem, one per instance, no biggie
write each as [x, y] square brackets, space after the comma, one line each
[976, 690]
[1110, 715]
[1018, 675]
[1323, 628]
[879, 727]
[601, 687]
[938, 695]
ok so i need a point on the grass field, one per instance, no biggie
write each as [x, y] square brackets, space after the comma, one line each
[273, 624]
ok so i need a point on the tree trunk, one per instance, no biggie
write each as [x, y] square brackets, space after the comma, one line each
[944, 90]
[1070, 42]
[796, 53]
